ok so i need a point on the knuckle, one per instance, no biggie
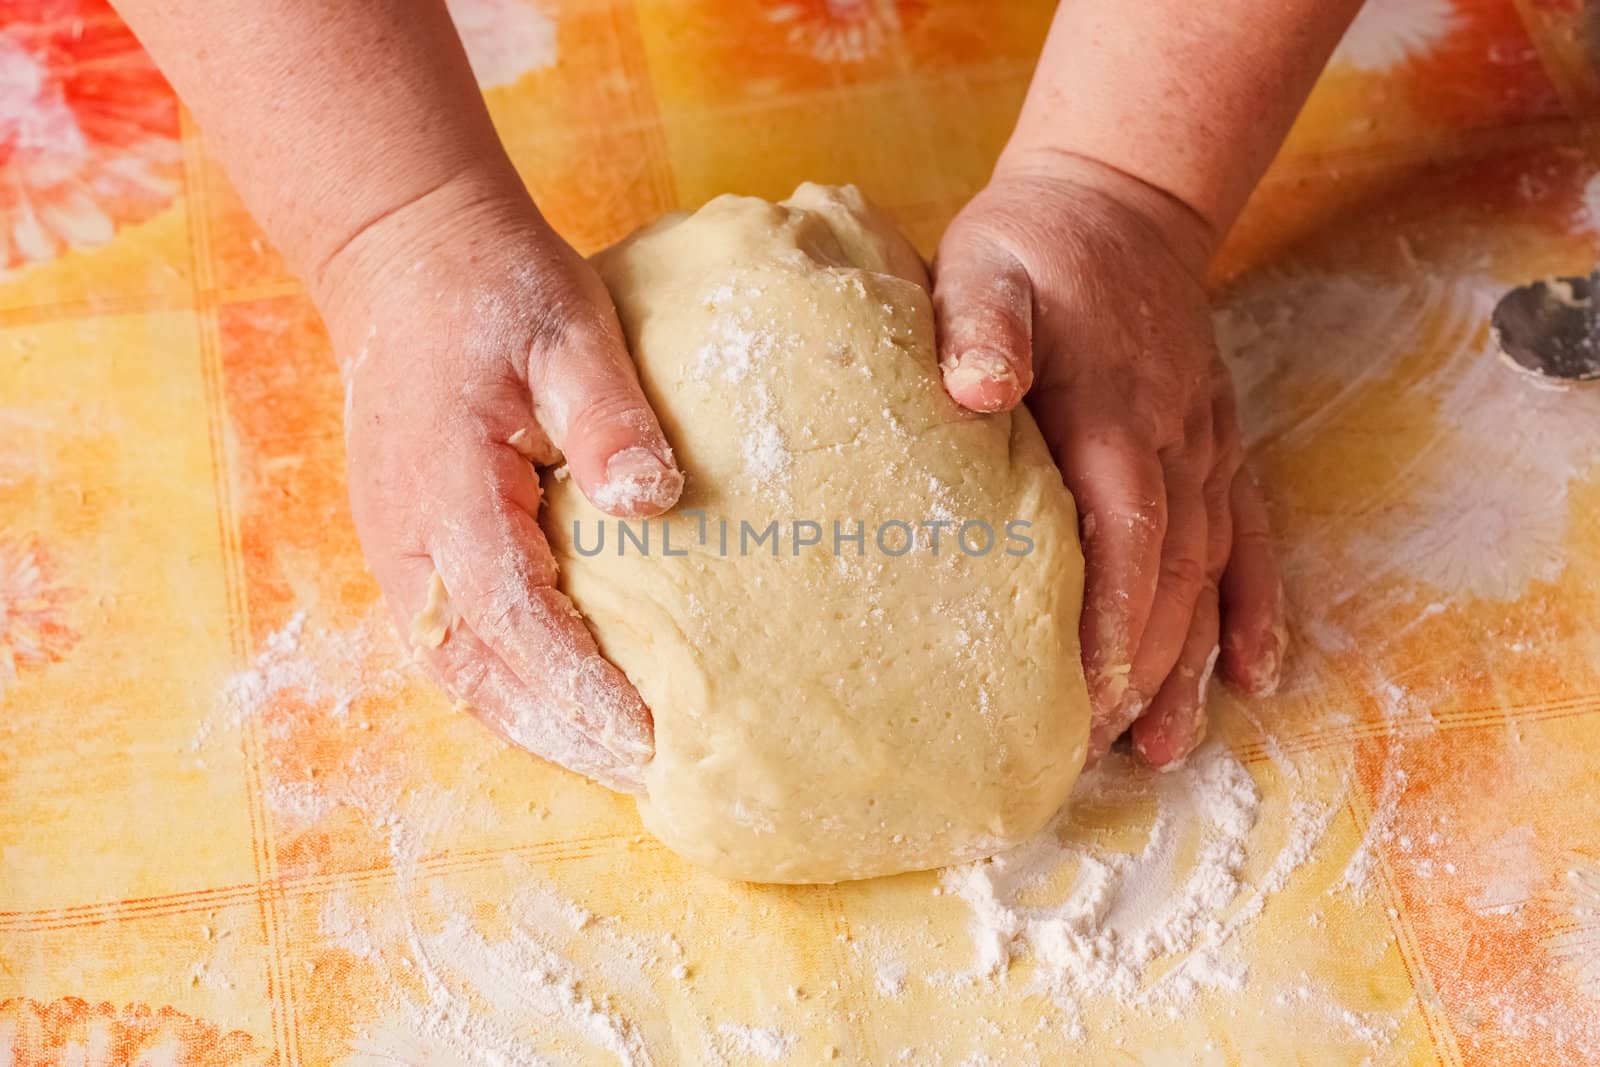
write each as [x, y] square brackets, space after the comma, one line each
[1153, 415]
[965, 243]
[1198, 431]
[558, 322]
[1184, 577]
[1125, 518]
[1130, 442]
[1218, 502]
[1227, 457]
[609, 407]
[1219, 545]
[1252, 540]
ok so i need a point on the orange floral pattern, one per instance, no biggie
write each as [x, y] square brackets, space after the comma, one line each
[71, 1030]
[843, 31]
[33, 627]
[88, 129]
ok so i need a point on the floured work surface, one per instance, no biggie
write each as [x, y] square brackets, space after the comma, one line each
[238, 827]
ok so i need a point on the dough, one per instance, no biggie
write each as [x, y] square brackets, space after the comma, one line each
[823, 715]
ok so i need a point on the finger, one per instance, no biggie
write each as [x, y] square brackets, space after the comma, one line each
[1116, 481]
[470, 671]
[1181, 582]
[587, 397]
[461, 664]
[1254, 637]
[983, 302]
[1175, 723]
[500, 575]
[493, 692]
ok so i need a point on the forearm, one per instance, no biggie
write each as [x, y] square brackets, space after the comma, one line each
[329, 116]
[1192, 99]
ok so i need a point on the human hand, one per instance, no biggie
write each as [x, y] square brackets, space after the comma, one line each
[475, 343]
[1080, 287]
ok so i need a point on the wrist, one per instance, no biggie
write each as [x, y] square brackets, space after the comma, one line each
[1185, 232]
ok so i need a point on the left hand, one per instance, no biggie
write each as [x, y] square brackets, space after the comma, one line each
[1079, 287]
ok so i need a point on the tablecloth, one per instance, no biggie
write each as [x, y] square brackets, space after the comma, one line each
[237, 826]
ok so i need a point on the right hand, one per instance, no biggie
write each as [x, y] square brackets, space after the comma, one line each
[475, 343]
[1083, 283]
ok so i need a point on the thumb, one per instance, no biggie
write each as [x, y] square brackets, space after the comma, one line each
[983, 301]
[587, 398]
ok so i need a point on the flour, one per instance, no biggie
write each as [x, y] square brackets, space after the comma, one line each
[1481, 509]
[770, 1045]
[343, 926]
[890, 978]
[479, 992]
[518, 976]
[739, 346]
[1575, 945]
[1380, 826]
[1510, 866]
[1123, 911]
[1371, 1029]
[1146, 928]
[326, 668]
[766, 458]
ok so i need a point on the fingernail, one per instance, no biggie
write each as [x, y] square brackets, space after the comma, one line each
[636, 480]
[1177, 754]
[1265, 678]
[987, 381]
[1111, 685]
[1202, 723]
[1142, 750]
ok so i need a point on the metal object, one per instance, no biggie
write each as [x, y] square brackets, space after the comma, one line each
[1551, 329]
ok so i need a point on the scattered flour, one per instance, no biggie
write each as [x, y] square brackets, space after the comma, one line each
[1577, 944]
[1147, 928]
[770, 1045]
[891, 978]
[1511, 869]
[1481, 508]
[477, 993]
[328, 668]
[1125, 924]
[1380, 824]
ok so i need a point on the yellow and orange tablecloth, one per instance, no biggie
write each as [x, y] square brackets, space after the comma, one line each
[236, 826]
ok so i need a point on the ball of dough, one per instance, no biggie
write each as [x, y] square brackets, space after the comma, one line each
[826, 708]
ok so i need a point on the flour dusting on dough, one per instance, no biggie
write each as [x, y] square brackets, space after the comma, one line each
[733, 354]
